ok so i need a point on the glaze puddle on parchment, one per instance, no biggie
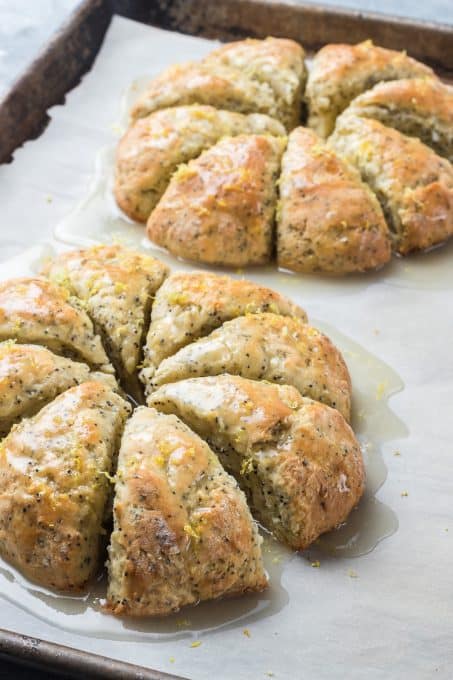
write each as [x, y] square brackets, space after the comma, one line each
[97, 219]
[375, 424]
[83, 614]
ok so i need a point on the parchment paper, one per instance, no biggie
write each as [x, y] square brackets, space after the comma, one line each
[394, 618]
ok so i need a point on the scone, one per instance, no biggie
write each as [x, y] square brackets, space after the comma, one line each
[202, 83]
[34, 310]
[190, 305]
[328, 219]
[219, 209]
[182, 530]
[413, 184]
[117, 287]
[54, 486]
[153, 147]
[31, 376]
[297, 460]
[270, 347]
[418, 107]
[277, 62]
[341, 72]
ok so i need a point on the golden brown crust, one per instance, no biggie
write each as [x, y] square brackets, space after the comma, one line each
[413, 184]
[328, 219]
[297, 460]
[34, 310]
[203, 83]
[267, 347]
[154, 146]
[341, 72]
[276, 61]
[54, 486]
[219, 209]
[117, 286]
[190, 305]
[31, 376]
[418, 107]
[183, 531]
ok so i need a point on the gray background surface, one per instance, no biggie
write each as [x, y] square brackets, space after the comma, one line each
[26, 26]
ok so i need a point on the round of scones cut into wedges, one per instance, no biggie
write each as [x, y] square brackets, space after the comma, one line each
[153, 147]
[417, 107]
[269, 347]
[183, 532]
[205, 199]
[34, 310]
[117, 287]
[31, 376]
[413, 184]
[340, 73]
[328, 219]
[220, 208]
[54, 485]
[297, 460]
[190, 305]
[246, 76]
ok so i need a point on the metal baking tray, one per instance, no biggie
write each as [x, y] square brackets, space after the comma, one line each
[69, 55]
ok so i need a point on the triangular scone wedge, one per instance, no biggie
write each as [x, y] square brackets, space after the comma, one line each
[328, 219]
[117, 287]
[417, 107]
[340, 73]
[276, 61]
[34, 310]
[31, 376]
[153, 147]
[297, 460]
[54, 486]
[190, 305]
[182, 530]
[203, 83]
[270, 347]
[413, 184]
[220, 208]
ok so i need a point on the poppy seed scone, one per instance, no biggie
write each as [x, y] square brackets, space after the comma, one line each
[269, 347]
[153, 147]
[341, 72]
[328, 219]
[203, 83]
[182, 530]
[413, 184]
[269, 406]
[190, 305]
[34, 310]
[297, 460]
[31, 376]
[417, 107]
[219, 209]
[278, 62]
[54, 486]
[117, 287]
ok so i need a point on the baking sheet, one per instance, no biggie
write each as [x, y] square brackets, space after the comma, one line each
[385, 614]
